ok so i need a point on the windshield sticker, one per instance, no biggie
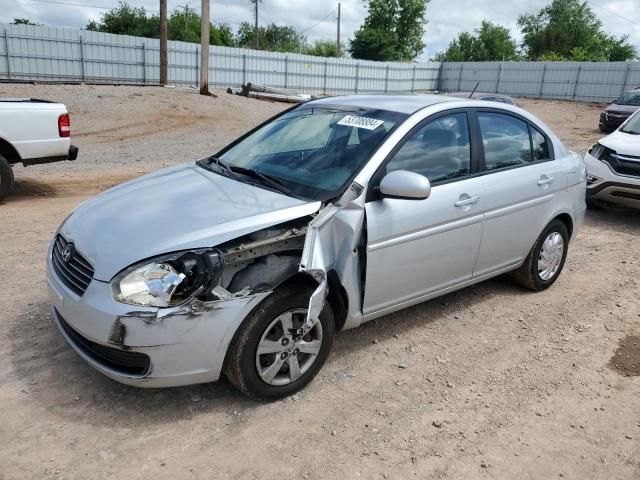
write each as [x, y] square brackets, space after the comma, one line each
[360, 122]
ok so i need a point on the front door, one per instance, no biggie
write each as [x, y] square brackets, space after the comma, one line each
[418, 247]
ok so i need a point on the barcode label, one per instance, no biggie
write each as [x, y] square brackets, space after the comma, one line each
[360, 122]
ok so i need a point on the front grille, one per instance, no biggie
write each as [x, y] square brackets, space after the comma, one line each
[123, 361]
[625, 164]
[74, 271]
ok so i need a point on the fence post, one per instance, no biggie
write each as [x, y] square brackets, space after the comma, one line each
[575, 87]
[81, 58]
[386, 80]
[499, 79]
[144, 64]
[413, 79]
[460, 76]
[439, 80]
[626, 78]
[357, 75]
[244, 69]
[544, 74]
[286, 70]
[197, 66]
[324, 80]
[6, 51]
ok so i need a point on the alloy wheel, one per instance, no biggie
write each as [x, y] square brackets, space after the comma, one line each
[282, 357]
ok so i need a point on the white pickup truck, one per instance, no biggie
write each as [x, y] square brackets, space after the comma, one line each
[32, 132]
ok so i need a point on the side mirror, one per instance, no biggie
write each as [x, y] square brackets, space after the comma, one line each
[405, 185]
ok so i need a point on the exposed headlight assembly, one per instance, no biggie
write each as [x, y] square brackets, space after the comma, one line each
[167, 281]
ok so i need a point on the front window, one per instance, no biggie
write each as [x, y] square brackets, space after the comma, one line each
[312, 151]
[629, 99]
[439, 150]
[633, 125]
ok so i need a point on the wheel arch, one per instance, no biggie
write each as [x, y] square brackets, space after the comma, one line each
[568, 222]
[337, 296]
[9, 152]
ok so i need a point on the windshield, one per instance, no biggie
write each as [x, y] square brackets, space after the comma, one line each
[313, 152]
[629, 99]
[633, 124]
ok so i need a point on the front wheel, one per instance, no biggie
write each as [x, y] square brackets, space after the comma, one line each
[6, 177]
[265, 359]
[546, 259]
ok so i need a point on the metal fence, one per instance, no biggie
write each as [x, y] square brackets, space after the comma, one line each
[37, 53]
[581, 81]
[60, 54]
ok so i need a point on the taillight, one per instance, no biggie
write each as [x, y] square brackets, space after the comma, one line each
[64, 125]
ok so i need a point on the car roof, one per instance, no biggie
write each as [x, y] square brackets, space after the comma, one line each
[396, 103]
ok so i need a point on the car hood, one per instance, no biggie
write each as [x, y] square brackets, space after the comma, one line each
[614, 108]
[180, 208]
[622, 143]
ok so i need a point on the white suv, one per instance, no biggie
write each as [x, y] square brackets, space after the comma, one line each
[613, 166]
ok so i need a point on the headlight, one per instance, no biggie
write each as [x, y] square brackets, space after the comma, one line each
[169, 280]
[151, 285]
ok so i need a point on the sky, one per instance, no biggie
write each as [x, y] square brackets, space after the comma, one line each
[317, 19]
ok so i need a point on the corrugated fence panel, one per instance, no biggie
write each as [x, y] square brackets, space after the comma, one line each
[519, 78]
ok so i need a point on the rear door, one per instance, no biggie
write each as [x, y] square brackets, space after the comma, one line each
[520, 180]
[417, 247]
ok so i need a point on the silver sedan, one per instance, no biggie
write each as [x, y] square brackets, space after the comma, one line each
[333, 213]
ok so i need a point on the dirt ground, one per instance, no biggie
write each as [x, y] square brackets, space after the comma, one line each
[489, 382]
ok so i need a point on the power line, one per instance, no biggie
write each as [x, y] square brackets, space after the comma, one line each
[332, 12]
[614, 13]
[72, 4]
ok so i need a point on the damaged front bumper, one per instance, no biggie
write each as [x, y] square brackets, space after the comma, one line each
[184, 345]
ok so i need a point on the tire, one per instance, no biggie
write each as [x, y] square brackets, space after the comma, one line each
[262, 327]
[6, 177]
[529, 275]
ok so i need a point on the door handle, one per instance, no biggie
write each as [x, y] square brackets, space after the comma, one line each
[545, 180]
[467, 200]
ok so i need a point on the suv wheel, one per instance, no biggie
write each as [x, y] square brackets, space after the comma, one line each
[546, 259]
[265, 359]
[6, 177]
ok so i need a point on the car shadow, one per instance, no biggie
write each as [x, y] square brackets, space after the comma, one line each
[620, 218]
[25, 188]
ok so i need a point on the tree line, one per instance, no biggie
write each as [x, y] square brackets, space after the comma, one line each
[393, 30]
[184, 25]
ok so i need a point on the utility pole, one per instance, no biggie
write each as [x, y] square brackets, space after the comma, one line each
[338, 39]
[257, 31]
[205, 31]
[164, 40]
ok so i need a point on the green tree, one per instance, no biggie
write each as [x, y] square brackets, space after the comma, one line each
[490, 42]
[127, 20]
[184, 25]
[569, 30]
[24, 21]
[392, 30]
[272, 37]
[323, 48]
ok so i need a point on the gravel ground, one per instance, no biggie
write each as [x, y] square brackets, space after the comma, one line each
[489, 382]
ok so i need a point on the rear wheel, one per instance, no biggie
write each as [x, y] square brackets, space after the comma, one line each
[6, 177]
[266, 360]
[546, 259]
